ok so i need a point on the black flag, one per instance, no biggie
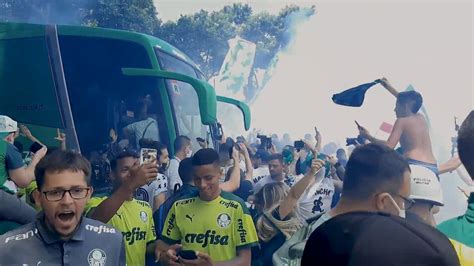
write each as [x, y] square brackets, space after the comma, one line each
[355, 96]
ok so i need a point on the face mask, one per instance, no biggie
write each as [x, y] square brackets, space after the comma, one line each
[401, 212]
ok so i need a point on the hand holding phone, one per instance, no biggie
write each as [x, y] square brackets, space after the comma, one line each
[187, 254]
[148, 155]
[35, 147]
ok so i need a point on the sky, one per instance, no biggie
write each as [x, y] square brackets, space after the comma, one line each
[172, 9]
[428, 44]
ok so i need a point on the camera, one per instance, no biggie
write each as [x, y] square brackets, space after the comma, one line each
[299, 144]
[265, 142]
[355, 141]
[100, 169]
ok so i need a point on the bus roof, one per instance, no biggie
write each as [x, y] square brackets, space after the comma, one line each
[9, 30]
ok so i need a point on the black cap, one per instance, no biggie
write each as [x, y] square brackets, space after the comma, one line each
[366, 238]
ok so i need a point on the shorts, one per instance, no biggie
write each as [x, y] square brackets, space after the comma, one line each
[431, 166]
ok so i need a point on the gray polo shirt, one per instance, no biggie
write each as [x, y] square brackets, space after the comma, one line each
[93, 244]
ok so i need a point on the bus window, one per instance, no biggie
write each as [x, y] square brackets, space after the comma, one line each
[184, 99]
[103, 101]
[230, 116]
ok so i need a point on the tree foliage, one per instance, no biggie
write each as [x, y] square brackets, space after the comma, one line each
[202, 35]
[134, 15]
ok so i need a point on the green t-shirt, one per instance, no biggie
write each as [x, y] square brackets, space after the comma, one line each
[218, 228]
[135, 220]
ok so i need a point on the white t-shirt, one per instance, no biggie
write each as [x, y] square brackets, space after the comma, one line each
[316, 199]
[173, 175]
[260, 173]
[149, 191]
[138, 128]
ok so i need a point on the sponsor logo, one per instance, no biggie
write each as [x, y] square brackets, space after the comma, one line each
[143, 216]
[144, 203]
[135, 235]
[258, 178]
[323, 191]
[241, 230]
[100, 229]
[223, 220]
[96, 257]
[190, 217]
[209, 238]
[170, 224]
[422, 181]
[229, 204]
[22, 236]
[184, 202]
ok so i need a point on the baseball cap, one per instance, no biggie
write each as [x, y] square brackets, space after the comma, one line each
[7, 125]
[368, 238]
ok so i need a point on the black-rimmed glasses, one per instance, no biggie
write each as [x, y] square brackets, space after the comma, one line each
[75, 193]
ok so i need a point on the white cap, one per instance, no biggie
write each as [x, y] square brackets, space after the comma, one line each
[7, 125]
[425, 185]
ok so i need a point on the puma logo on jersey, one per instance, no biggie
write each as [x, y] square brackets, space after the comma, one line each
[190, 217]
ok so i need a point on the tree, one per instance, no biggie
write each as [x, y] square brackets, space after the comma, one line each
[133, 15]
[203, 36]
[43, 12]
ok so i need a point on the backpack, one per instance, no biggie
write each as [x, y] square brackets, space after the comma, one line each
[291, 252]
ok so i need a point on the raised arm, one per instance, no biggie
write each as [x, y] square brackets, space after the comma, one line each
[234, 181]
[393, 139]
[139, 176]
[248, 162]
[388, 86]
[450, 165]
[318, 138]
[25, 131]
[289, 203]
[23, 176]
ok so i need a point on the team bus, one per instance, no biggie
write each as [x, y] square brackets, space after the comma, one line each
[92, 83]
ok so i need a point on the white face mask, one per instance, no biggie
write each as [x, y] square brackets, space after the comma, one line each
[401, 212]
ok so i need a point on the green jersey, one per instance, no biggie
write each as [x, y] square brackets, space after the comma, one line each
[219, 228]
[135, 220]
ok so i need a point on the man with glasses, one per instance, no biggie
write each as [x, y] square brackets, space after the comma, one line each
[60, 235]
[132, 217]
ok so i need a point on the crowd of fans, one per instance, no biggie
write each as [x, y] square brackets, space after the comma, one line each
[253, 200]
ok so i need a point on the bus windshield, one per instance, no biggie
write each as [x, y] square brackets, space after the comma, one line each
[184, 98]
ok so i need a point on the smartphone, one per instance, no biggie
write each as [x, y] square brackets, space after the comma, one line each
[148, 155]
[187, 254]
[299, 144]
[35, 147]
